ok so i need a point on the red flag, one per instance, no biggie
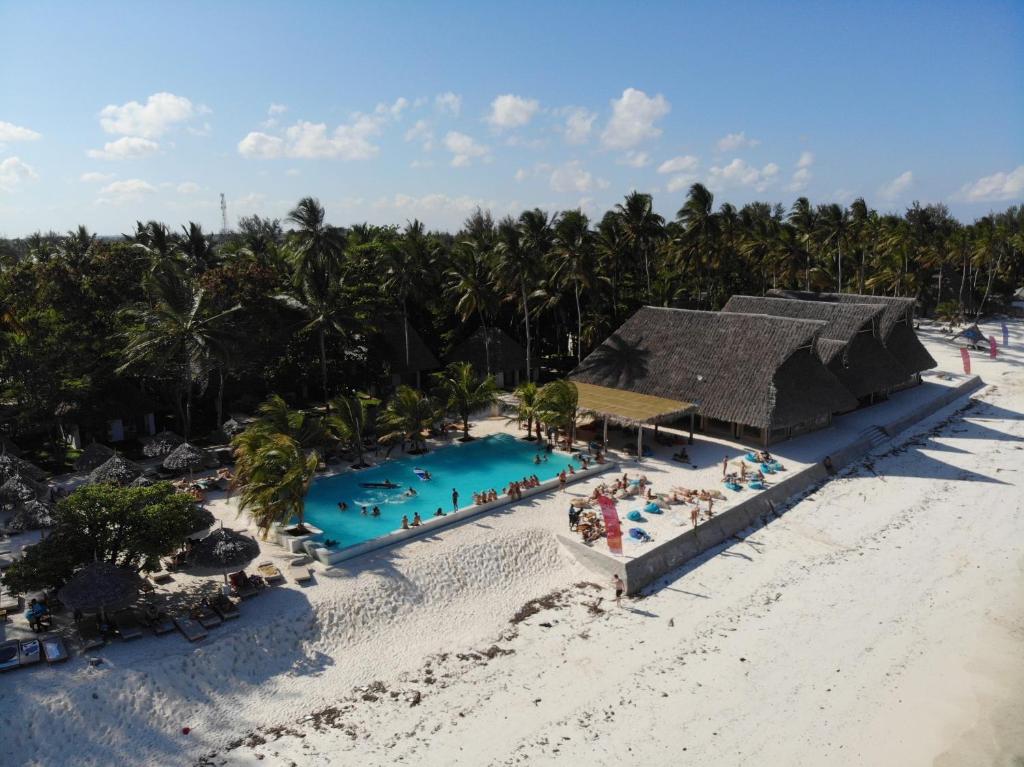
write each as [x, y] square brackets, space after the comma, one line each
[966, 357]
[611, 524]
[992, 347]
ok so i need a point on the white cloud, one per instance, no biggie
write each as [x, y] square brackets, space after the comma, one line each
[349, 141]
[13, 172]
[433, 203]
[293, 172]
[149, 120]
[802, 175]
[277, 109]
[121, 192]
[733, 141]
[633, 119]
[394, 111]
[686, 163]
[11, 132]
[635, 159]
[573, 177]
[421, 132]
[893, 189]
[261, 145]
[463, 148]
[998, 186]
[510, 111]
[521, 174]
[94, 177]
[578, 124]
[806, 160]
[188, 187]
[448, 102]
[126, 148]
[682, 181]
[739, 173]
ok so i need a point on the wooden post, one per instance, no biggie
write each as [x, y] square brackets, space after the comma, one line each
[692, 417]
[639, 442]
[604, 439]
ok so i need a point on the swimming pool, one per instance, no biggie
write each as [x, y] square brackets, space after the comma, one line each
[489, 462]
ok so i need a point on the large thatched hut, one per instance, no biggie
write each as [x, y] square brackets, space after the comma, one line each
[495, 351]
[849, 344]
[407, 355]
[752, 377]
[896, 327]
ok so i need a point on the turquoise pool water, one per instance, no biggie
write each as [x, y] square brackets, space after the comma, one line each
[490, 462]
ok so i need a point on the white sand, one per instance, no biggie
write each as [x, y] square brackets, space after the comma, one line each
[879, 621]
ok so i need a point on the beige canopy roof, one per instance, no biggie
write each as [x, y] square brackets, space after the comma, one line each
[628, 406]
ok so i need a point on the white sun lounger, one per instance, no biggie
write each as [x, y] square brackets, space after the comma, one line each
[31, 652]
[10, 655]
[53, 649]
[298, 569]
[191, 630]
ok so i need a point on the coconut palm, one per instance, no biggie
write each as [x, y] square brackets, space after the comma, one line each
[349, 422]
[408, 260]
[277, 476]
[642, 228]
[529, 400]
[470, 282]
[521, 245]
[314, 247]
[558, 405]
[464, 392]
[573, 256]
[698, 237]
[407, 415]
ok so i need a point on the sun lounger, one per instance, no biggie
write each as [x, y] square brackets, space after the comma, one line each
[127, 625]
[89, 633]
[225, 608]
[298, 569]
[191, 630]
[270, 572]
[10, 655]
[54, 649]
[206, 615]
[240, 585]
[31, 652]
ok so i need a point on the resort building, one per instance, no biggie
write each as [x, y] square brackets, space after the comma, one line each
[407, 355]
[849, 345]
[754, 377]
[896, 328]
[501, 355]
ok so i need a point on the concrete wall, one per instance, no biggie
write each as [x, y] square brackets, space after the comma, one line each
[664, 557]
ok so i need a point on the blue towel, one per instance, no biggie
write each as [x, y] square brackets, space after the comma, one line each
[639, 534]
[652, 508]
[636, 516]
[733, 486]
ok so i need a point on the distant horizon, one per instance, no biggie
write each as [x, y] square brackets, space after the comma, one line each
[394, 112]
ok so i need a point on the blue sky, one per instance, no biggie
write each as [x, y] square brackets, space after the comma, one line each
[112, 112]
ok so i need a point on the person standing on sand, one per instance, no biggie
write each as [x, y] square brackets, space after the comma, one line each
[561, 482]
[695, 515]
[725, 466]
[620, 587]
[455, 499]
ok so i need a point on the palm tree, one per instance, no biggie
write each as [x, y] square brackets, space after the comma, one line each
[573, 255]
[407, 415]
[465, 393]
[274, 479]
[471, 284]
[642, 228]
[834, 227]
[558, 405]
[699, 235]
[529, 401]
[349, 422]
[804, 221]
[408, 260]
[197, 249]
[314, 248]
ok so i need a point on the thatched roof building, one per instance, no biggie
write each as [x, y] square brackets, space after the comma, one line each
[756, 375]
[849, 344]
[507, 356]
[896, 325]
[407, 367]
[95, 454]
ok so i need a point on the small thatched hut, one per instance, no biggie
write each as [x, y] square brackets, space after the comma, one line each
[849, 344]
[506, 357]
[407, 355]
[31, 515]
[22, 489]
[161, 444]
[11, 466]
[185, 457]
[751, 376]
[95, 454]
[117, 470]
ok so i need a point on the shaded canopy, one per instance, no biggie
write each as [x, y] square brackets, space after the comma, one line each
[225, 548]
[185, 457]
[32, 515]
[116, 470]
[95, 454]
[101, 586]
[628, 407]
[202, 520]
[11, 465]
[161, 444]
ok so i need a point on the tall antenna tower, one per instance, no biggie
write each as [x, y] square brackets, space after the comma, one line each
[223, 214]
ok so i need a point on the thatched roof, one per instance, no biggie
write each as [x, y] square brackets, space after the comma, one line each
[11, 466]
[95, 454]
[22, 489]
[421, 358]
[232, 428]
[628, 407]
[33, 515]
[7, 446]
[202, 520]
[848, 345]
[116, 470]
[225, 548]
[749, 369]
[161, 444]
[101, 585]
[185, 457]
[896, 324]
[505, 351]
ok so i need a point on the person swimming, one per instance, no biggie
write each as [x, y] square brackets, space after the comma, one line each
[409, 493]
[376, 511]
[365, 511]
[342, 506]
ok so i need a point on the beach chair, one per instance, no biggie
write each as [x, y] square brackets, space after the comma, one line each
[161, 625]
[127, 625]
[191, 630]
[206, 616]
[89, 634]
[54, 649]
[299, 571]
[225, 608]
[10, 655]
[270, 572]
[31, 652]
[240, 585]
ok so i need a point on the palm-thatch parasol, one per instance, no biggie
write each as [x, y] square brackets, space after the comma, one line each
[226, 549]
[101, 586]
[142, 481]
[95, 454]
[116, 470]
[232, 428]
[21, 489]
[31, 515]
[11, 465]
[202, 521]
[185, 457]
[162, 444]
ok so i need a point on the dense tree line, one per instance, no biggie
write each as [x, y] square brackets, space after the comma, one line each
[203, 323]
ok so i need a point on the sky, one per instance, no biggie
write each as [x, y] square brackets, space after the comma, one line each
[389, 111]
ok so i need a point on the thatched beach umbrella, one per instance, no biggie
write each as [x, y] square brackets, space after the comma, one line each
[19, 489]
[11, 465]
[202, 521]
[185, 457]
[226, 549]
[101, 586]
[116, 470]
[142, 481]
[161, 444]
[232, 428]
[31, 515]
[95, 454]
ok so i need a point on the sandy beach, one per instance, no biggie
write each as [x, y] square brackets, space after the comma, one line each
[878, 620]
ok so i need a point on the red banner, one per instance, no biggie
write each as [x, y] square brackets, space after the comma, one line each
[611, 524]
[966, 357]
[992, 347]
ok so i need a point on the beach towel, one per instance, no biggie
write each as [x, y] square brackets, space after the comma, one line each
[755, 485]
[751, 457]
[734, 486]
[636, 516]
[652, 508]
[639, 534]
